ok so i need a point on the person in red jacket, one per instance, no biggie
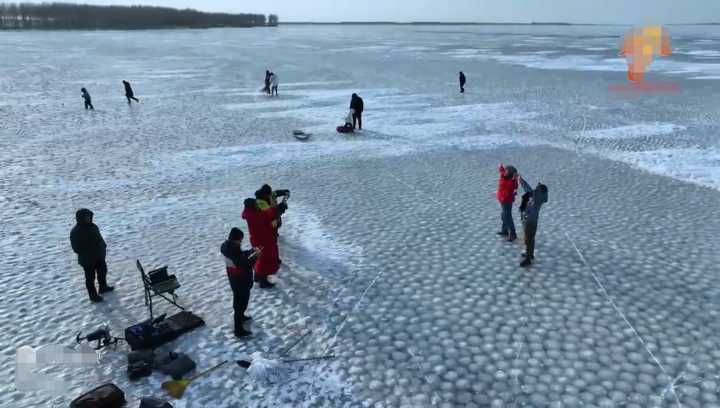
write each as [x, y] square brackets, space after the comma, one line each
[263, 235]
[507, 188]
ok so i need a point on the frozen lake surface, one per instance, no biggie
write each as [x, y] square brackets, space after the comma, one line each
[389, 247]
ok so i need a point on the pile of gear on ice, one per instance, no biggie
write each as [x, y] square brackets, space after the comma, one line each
[244, 268]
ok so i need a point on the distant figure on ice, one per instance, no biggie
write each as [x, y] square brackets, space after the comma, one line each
[129, 94]
[357, 105]
[462, 82]
[89, 245]
[507, 187]
[267, 82]
[86, 97]
[263, 235]
[274, 84]
[532, 200]
[239, 268]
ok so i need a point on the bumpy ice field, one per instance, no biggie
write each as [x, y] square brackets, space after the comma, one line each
[389, 246]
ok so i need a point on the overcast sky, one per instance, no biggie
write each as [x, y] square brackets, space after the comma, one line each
[574, 11]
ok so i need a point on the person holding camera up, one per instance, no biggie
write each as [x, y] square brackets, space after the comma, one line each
[262, 225]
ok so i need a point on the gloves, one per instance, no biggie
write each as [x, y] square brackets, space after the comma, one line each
[282, 207]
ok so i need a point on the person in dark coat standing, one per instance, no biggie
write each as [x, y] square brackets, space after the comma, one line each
[532, 201]
[129, 94]
[462, 82]
[357, 105]
[89, 245]
[239, 267]
[267, 81]
[88, 100]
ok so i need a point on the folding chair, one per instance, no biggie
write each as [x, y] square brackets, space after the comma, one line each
[158, 283]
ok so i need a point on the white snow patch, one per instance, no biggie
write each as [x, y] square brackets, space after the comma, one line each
[633, 131]
[699, 166]
[307, 229]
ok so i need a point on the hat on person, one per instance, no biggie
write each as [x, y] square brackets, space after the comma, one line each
[236, 234]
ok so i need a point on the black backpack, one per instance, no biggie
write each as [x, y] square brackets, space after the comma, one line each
[150, 402]
[104, 396]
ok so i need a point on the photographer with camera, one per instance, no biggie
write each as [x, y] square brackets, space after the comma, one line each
[239, 267]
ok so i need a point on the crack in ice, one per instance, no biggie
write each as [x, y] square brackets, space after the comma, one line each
[670, 387]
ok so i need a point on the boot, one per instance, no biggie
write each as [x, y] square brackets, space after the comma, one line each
[107, 289]
[96, 298]
[242, 333]
[246, 318]
[526, 263]
[524, 255]
[266, 284]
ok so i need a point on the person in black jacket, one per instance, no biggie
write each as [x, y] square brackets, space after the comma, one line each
[88, 100]
[267, 82]
[239, 267]
[89, 245]
[129, 94]
[462, 82]
[357, 105]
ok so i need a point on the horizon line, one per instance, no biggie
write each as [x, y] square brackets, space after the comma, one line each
[476, 23]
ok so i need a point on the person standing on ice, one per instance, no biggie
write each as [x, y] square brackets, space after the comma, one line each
[263, 235]
[357, 105]
[267, 82]
[268, 198]
[239, 268]
[89, 245]
[88, 101]
[533, 199]
[274, 82]
[129, 94]
[462, 82]
[507, 187]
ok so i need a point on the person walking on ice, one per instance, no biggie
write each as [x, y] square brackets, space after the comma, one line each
[129, 94]
[88, 101]
[507, 187]
[462, 82]
[532, 201]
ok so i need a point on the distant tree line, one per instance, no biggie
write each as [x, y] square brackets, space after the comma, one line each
[18, 16]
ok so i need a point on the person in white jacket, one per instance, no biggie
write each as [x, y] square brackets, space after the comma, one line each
[274, 84]
[348, 118]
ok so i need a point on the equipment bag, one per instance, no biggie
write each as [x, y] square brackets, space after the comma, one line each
[175, 365]
[146, 335]
[104, 396]
[184, 322]
[150, 402]
[158, 275]
[140, 364]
